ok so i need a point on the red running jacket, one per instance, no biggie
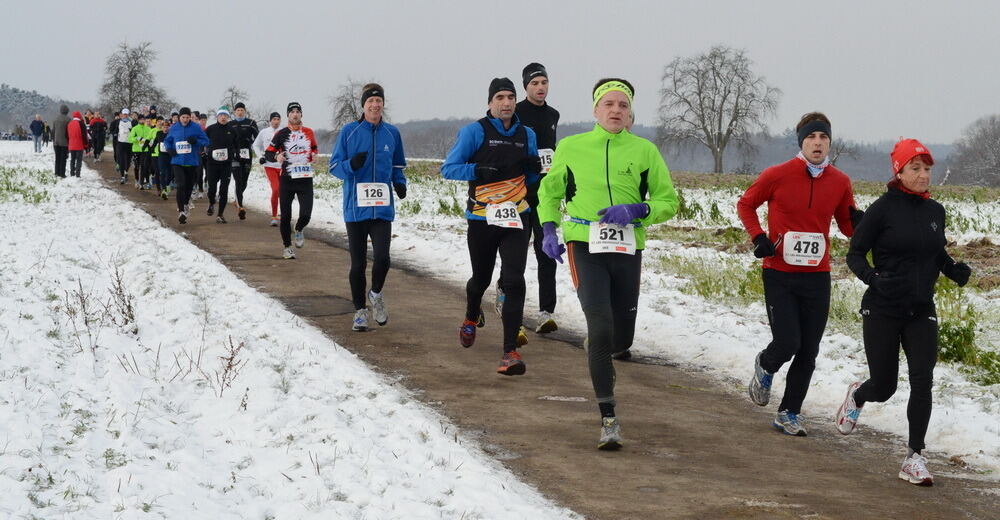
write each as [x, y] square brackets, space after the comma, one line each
[797, 202]
[76, 131]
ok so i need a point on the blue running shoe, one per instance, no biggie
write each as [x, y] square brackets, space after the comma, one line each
[760, 386]
[789, 423]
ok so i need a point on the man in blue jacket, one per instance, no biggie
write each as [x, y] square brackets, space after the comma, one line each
[499, 158]
[184, 142]
[368, 157]
[37, 127]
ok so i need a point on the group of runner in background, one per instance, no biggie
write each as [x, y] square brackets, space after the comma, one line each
[603, 189]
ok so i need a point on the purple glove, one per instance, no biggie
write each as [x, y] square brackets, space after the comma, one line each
[550, 242]
[622, 214]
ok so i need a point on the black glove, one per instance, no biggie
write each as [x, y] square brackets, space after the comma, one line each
[763, 246]
[400, 190]
[262, 160]
[487, 172]
[959, 273]
[358, 160]
[890, 285]
[529, 163]
[192, 140]
[856, 215]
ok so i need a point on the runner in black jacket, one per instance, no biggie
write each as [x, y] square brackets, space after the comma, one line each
[221, 152]
[904, 230]
[246, 131]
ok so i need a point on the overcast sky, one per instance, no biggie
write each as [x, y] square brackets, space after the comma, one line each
[879, 69]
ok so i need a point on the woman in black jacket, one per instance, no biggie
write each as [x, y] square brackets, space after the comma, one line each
[904, 230]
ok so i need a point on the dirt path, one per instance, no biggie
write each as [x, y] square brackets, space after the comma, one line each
[693, 449]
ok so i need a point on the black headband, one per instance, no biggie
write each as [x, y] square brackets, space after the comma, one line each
[814, 126]
[376, 92]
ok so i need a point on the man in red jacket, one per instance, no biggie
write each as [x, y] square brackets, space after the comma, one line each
[802, 197]
[76, 132]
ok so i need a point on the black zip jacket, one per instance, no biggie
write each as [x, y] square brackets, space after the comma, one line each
[905, 233]
[246, 131]
[221, 136]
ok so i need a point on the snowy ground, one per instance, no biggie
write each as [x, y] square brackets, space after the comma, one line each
[429, 233]
[110, 417]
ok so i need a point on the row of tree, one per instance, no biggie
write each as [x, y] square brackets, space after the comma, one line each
[708, 101]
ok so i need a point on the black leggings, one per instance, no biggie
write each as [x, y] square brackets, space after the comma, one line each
[241, 174]
[146, 162]
[218, 184]
[546, 267]
[485, 241]
[184, 180]
[62, 154]
[288, 190]
[75, 162]
[124, 157]
[797, 308]
[918, 336]
[607, 285]
[380, 232]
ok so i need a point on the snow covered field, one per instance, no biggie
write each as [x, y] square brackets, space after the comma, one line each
[117, 399]
[429, 233]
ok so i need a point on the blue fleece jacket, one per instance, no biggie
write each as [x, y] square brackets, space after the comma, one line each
[456, 166]
[384, 163]
[180, 132]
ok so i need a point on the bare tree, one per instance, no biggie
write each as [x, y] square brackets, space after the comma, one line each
[128, 82]
[844, 148]
[714, 99]
[976, 158]
[234, 95]
[345, 105]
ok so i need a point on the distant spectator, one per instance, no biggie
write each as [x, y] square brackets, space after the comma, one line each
[46, 135]
[60, 141]
[76, 134]
[37, 128]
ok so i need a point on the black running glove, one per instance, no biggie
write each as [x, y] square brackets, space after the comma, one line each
[890, 285]
[529, 163]
[262, 160]
[400, 189]
[959, 273]
[487, 172]
[763, 247]
[358, 160]
[192, 140]
[856, 216]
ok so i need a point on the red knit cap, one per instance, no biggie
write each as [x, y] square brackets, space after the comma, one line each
[905, 150]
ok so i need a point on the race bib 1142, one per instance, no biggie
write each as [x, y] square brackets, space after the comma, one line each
[300, 171]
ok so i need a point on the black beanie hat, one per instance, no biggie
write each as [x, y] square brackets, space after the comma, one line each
[239, 105]
[499, 85]
[532, 70]
[184, 111]
[374, 91]
[274, 115]
[292, 106]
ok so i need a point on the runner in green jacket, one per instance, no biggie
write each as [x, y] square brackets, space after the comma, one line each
[614, 184]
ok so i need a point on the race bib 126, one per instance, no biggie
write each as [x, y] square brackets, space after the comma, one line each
[372, 194]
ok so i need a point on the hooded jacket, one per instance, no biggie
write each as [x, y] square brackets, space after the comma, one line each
[76, 133]
[384, 163]
[59, 137]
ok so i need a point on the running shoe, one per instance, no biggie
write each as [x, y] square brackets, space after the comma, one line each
[182, 217]
[360, 321]
[611, 434]
[288, 254]
[914, 470]
[789, 423]
[378, 308]
[122, 180]
[522, 337]
[760, 385]
[498, 304]
[300, 239]
[467, 333]
[242, 213]
[275, 221]
[848, 413]
[545, 323]
[481, 321]
[163, 194]
[220, 220]
[624, 355]
[211, 209]
[511, 364]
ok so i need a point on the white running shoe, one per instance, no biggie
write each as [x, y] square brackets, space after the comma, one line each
[288, 254]
[545, 323]
[360, 321]
[611, 434]
[378, 307]
[300, 239]
[914, 470]
[848, 413]
[275, 221]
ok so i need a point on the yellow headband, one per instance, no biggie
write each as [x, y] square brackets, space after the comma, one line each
[611, 86]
